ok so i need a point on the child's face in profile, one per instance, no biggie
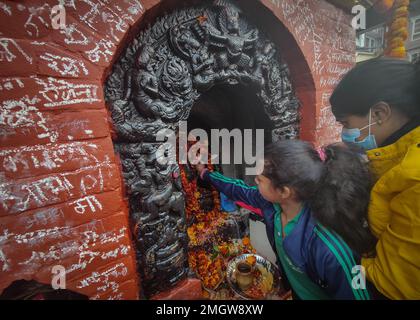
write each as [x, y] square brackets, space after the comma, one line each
[266, 188]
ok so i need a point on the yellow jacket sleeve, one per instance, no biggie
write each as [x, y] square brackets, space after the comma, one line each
[394, 217]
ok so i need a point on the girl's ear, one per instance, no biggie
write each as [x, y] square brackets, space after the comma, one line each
[381, 112]
[285, 193]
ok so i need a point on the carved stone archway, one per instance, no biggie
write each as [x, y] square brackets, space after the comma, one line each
[153, 85]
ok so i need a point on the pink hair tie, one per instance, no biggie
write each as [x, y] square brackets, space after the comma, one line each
[322, 154]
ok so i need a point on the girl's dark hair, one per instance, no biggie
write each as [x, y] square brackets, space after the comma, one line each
[337, 189]
[394, 81]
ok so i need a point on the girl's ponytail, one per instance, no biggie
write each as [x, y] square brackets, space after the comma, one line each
[335, 183]
[341, 201]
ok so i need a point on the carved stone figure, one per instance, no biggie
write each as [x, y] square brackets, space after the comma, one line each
[229, 35]
[153, 85]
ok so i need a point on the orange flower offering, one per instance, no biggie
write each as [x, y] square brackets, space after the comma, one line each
[262, 283]
[210, 272]
[211, 245]
[210, 265]
[251, 260]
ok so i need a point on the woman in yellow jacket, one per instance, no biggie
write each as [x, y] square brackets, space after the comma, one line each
[378, 104]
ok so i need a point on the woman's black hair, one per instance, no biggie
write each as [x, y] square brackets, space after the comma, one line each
[394, 81]
[336, 188]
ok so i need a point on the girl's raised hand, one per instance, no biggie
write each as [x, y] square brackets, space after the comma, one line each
[196, 164]
[199, 167]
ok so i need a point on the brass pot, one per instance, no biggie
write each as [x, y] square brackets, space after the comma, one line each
[244, 275]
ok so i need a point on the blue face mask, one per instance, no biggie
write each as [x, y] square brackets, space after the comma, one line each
[351, 135]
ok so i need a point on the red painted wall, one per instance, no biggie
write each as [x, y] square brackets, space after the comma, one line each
[320, 49]
[61, 198]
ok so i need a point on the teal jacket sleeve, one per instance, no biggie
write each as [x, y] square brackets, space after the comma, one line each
[236, 190]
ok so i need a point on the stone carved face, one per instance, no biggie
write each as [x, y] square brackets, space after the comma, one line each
[176, 77]
[231, 19]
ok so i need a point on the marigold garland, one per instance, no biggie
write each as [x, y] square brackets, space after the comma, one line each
[210, 249]
[397, 29]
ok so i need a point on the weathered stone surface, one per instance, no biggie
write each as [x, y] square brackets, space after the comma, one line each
[154, 84]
